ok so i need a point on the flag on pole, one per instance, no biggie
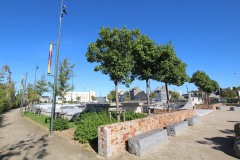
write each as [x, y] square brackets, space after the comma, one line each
[50, 58]
[21, 86]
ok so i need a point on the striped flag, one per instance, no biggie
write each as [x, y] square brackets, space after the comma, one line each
[50, 58]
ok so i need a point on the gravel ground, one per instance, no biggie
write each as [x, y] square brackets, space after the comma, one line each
[21, 139]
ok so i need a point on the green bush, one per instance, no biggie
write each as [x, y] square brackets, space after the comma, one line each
[60, 124]
[130, 115]
[87, 125]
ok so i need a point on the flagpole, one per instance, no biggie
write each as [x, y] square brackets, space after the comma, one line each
[56, 71]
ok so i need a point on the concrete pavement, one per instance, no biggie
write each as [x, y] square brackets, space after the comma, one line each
[211, 139]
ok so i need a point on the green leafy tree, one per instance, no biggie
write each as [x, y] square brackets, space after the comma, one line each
[78, 98]
[228, 93]
[31, 94]
[205, 84]
[144, 56]
[174, 95]
[113, 54]
[65, 74]
[93, 98]
[169, 69]
[7, 89]
[126, 97]
[153, 95]
[112, 96]
[41, 87]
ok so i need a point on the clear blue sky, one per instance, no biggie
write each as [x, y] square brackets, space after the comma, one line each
[205, 34]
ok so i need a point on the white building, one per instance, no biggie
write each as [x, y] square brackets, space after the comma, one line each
[161, 94]
[45, 99]
[78, 96]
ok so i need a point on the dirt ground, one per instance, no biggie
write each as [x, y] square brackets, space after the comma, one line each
[21, 139]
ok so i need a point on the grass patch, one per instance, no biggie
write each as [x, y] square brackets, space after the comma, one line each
[44, 120]
[39, 119]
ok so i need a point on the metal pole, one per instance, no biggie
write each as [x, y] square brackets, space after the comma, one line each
[56, 71]
[36, 75]
[72, 90]
[24, 88]
[21, 107]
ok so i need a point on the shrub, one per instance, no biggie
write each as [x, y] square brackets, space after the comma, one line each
[87, 125]
[60, 124]
[130, 115]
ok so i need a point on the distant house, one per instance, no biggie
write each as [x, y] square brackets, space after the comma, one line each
[161, 94]
[101, 99]
[45, 99]
[136, 94]
[195, 98]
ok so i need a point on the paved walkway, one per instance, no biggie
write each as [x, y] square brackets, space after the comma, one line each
[212, 139]
[21, 139]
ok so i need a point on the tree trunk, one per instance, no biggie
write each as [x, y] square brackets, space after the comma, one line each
[117, 103]
[168, 103]
[147, 91]
[207, 98]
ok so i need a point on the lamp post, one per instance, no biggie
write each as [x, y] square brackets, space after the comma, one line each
[62, 11]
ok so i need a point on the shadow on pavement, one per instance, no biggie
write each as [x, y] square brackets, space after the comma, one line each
[2, 120]
[224, 144]
[233, 121]
[24, 147]
[94, 144]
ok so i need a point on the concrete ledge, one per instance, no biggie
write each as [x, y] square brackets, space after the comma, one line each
[220, 107]
[177, 128]
[237, 146]
[234, 108]
[192, 121]
[237, 129]
[147, 142]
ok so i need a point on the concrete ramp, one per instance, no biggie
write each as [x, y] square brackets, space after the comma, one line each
[189, 104]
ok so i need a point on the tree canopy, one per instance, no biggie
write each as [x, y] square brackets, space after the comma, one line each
[65, 74]
[40, 87]
[8, 99]
[169, 68]
[203, 81]
[144, 56]
[112, 51]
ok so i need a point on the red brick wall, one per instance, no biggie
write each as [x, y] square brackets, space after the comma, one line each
[112, 139]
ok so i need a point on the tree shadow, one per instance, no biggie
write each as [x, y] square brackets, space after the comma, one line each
[224, 144]
[24, 147]
[233, 121]
[227, 131]
[2, 120]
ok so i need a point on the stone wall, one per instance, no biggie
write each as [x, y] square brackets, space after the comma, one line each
[112, 139]
[212, 106]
